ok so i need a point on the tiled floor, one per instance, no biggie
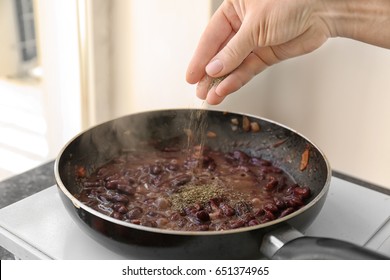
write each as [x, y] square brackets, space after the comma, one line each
[23, 143]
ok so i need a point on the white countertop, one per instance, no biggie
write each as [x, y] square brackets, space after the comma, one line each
[39, 227]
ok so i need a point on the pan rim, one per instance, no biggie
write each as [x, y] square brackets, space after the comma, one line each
[78, 204]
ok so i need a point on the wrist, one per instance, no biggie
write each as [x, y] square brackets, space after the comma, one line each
[361, 20]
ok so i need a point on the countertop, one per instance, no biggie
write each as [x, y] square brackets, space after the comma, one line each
[42, 177]
[24, 185]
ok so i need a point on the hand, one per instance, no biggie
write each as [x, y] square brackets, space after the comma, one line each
[245, 37]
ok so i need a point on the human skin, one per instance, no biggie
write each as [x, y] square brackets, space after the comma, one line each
[244, 37]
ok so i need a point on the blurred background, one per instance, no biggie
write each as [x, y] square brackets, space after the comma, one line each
[67, 65]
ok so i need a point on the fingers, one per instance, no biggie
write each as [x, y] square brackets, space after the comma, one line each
[232, 55]
[217, 32]
[251, 66]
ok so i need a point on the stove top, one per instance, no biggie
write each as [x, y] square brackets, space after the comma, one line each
[39, 227]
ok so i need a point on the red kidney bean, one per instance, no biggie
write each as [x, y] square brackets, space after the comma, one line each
[149, 223]
[180, 180]
[117, 215]
[162, 203]
[126, 189]
[271, 207]
[134, 213]
[286, 212]
[242, 208]
[303, 192]
[271, 184]
[290, 189]
[117, 205]
[137, 188]
[88, 184]
[202, 216]
[173, 166]
[293, 201]
[203, 227]
[113, 184]
[208, 163]
[135, 221]
[259, 212]
[120, 198]
[279, 203]
[155, 170]
[269, 215]
[227, 210]
[103, 198]
[237, 224]
[253, 222]
[240, 156]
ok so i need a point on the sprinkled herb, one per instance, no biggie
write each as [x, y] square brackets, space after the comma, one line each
[192, 194]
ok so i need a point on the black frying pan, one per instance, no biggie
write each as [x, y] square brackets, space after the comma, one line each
[274, 142]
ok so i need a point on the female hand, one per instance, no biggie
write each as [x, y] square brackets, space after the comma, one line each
[244, 37]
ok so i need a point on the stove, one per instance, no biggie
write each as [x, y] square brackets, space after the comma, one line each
[39, 227]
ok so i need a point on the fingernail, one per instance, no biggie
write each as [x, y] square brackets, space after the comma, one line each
[214, 67]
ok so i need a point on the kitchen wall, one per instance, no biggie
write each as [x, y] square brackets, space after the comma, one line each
[152, 42]
[337, 96]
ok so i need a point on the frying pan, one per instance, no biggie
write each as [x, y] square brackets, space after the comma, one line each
[277, 239]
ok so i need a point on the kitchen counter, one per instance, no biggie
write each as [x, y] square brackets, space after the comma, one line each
[24, 185]
[41, 178]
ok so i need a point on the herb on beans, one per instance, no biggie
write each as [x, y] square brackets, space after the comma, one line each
[193, 189]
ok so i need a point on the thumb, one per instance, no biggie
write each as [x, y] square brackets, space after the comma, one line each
[232, 55]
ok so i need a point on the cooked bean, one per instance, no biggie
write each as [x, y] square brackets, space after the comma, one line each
[227, 210]
[271, 184]
[253, 222]
[180, 180]
[162, 203]
[237, 224]
[303, 192]
[134, 213]
[286, 212]
[192, 189]
[124, 188]
[271, 207]
[203, 216]
[156, 170]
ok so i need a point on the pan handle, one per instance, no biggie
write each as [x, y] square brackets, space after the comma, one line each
[301, 247]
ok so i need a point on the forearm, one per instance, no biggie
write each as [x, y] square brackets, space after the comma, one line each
[364, 20]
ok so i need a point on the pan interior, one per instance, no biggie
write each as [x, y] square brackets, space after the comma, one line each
[157, 129]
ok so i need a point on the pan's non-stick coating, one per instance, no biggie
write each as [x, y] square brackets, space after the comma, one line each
[156, 129]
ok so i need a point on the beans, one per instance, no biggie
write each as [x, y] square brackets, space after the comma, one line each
[202, 215]
[162, 203]
[126, 189]
[242, 208]
[271, 207]
[155, 170]
[286, 212]
[253, 222]
[237, 224]
[303, 192]
[227, 210]
[216, 190]
[271, 184]
[180, 180]
[134, 213]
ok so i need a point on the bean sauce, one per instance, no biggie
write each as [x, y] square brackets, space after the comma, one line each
[191, 191]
